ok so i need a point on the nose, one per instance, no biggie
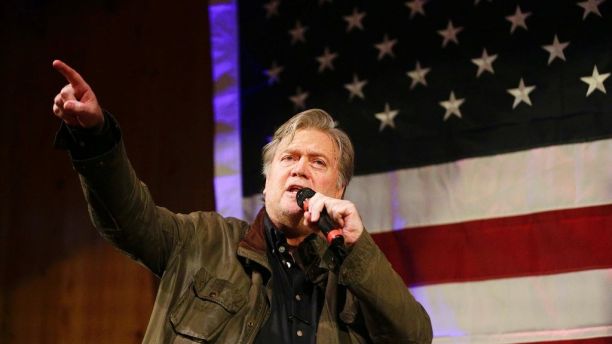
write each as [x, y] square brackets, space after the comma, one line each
[300, 168]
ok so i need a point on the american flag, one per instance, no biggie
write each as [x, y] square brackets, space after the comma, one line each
[483, 144]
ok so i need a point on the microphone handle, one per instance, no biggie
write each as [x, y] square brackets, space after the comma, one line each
[325, 223]
[328, 227]
[333, 235]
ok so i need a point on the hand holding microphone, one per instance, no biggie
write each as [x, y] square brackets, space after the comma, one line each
[337, 219]
[329, 228]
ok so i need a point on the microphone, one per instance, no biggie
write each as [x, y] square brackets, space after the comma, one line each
[325, 223]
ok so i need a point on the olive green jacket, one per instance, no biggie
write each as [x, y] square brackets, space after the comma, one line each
[215, 278]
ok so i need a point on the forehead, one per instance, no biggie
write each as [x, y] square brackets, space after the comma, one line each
[310, 141]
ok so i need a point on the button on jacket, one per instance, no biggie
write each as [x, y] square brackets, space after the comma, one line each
[215, 276]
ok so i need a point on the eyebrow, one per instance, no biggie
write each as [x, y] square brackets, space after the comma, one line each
[307, 152]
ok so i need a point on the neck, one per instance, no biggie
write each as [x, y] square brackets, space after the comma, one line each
[295, 242]
[294, 230]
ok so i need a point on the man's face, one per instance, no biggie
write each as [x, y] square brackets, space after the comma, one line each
[309, 160]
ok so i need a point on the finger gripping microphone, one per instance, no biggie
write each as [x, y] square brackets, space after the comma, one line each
[325, 223]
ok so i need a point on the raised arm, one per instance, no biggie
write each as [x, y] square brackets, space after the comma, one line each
[121, 206]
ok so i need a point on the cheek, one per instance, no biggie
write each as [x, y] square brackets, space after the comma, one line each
[329, 186]
[274, 183]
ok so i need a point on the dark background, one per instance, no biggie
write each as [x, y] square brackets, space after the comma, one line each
[149, 64]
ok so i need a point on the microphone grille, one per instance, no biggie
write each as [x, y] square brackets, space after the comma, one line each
[302, 195]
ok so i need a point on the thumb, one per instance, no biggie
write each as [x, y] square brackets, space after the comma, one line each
[75, 107]
[87, 115]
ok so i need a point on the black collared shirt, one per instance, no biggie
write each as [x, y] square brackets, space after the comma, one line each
[296, 301]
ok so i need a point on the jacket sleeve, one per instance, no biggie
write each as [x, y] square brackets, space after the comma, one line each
[124, 212]
[391, 313]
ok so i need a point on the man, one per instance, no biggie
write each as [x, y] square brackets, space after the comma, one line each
[225, 281]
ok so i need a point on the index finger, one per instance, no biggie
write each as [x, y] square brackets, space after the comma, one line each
[73, 77]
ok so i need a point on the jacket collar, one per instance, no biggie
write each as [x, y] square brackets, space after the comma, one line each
[253, 246]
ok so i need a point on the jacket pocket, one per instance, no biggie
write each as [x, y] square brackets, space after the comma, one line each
[205, 308]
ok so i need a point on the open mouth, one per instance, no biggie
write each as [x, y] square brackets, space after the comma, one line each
[294, 188]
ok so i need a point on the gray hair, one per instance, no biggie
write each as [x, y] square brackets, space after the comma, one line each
[320, 120]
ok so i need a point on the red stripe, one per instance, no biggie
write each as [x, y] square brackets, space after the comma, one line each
[601, 340]
[535, 244]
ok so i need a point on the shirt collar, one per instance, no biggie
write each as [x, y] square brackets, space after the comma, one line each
[312, 255]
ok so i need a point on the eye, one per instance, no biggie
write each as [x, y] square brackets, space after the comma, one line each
[319, 162]
[287, 157]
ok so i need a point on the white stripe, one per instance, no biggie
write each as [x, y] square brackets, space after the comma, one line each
[531, 337]
[541, 179]
[520, 310]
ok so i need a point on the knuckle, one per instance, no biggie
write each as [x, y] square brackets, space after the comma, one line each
[66, 92]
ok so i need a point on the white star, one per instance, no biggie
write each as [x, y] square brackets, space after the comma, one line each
[485, 63]
[386, 117]
[595, 81]
[518, 19]
[555, 50]
[521, 94]
[416, 7]
[299, 99]
[326, 60]
[271, 8]
[273, 73]
[385, 47]
[297, 33]
[354, 20]
[590, 6]
[452, 106]
[418, 75]
[355, 88]
[450, 33]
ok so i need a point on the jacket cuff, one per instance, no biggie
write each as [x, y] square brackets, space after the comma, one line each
[98, 164]
[358, 262]
[83, 144]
